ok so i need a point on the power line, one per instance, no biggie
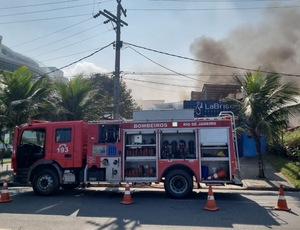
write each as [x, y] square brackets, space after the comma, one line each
[43, 11]
[162, 65]
[162, 83]
[170, 74]
[38, 4]
[148, 87]
[201, 1]
[51, 43]
[214, 9]
[60, 48]
[85, 57]
[200, 75]
[211, 63]
[44, 19]
[69, 55]
[47, 35]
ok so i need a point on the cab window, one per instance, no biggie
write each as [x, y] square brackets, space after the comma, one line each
[63, 135]
[108, 133]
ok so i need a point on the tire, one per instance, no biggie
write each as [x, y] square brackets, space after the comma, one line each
[178, 184]
[45, 183]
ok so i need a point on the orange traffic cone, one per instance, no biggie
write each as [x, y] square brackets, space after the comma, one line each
[4, 193]
[220, 174]
[281, 204]
[210, 204]
[127, 196]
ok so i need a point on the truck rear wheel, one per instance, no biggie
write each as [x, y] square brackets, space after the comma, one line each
[45, 182]
[178, 183]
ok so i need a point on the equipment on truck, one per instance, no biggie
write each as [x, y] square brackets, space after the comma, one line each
[171, 147]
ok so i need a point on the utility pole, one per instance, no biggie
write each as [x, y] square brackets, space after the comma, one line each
[118, 45]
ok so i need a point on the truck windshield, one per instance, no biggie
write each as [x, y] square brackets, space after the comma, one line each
[34, 136]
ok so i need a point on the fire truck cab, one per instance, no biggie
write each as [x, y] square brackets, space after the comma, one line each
[171, 147]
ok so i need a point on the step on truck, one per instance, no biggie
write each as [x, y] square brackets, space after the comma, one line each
[169, 147]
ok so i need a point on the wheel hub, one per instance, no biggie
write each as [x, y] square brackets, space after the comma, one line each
[45, 182]
[178, 184]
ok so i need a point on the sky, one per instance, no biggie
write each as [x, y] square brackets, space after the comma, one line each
[170, 47]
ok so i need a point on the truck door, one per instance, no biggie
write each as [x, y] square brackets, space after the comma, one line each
[30, 148]
[63, 146]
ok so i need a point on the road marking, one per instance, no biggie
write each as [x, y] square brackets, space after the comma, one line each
[75, 213]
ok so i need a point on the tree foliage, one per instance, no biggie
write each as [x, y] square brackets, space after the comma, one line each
[106, 90]
[21, 96]
[24, 97]
[266, 106]
[72, 100]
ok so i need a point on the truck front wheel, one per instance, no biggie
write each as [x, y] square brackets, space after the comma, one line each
[45, 183]
[178, 183]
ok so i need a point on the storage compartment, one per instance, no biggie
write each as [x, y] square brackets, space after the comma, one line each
[215, 170]
[215, 157]
[178, 144]
[140, 156]
[140, 144]
[96, 174]
[140, 169]
[140, 151]
[214, 151]
[141, 138]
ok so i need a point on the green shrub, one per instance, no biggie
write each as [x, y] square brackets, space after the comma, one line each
[277, 149]
[6, 154]
[291, 140]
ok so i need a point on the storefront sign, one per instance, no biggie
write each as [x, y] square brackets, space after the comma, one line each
[208, 108]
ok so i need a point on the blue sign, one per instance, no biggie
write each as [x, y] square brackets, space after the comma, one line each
[209, 108]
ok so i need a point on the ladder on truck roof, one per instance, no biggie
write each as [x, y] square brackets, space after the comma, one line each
[231, 116]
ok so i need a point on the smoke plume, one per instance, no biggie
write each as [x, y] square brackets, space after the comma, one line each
[271, 45]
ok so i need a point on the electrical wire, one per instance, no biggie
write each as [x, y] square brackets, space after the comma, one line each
[85, 57]
[47, 35]
[38, 4]
[215, 9]
[72, 35]
[43, 11]
[170, 74]
[44, 19]
[148, 87]
[162, 65]
[210, 63]
[201, 1]
[65, 56]
[162, 83]
[75, 43]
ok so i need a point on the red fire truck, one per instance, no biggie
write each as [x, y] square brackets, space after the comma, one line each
[169, 147]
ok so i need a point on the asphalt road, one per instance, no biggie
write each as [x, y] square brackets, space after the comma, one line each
[152, 209]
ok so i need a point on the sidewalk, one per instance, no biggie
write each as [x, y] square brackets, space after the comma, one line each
[249, 172]
[6, 173]
[272, 180]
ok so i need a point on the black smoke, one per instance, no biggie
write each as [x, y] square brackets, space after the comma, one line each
[273, 44]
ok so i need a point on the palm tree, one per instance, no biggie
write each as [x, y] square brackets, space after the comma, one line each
[86, 98]
[74, 100]
[266, 106]
[21, 96]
